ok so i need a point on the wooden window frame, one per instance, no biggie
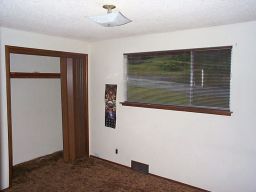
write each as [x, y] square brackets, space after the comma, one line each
[178, 108]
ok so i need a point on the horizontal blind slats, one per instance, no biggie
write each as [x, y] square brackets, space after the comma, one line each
[175, 79]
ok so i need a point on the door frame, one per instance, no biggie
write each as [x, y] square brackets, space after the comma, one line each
[63, 77]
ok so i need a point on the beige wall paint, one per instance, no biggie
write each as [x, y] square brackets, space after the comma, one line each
[213, 152]
[33, 40]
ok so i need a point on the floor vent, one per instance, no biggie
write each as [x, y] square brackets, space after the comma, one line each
[140, 167]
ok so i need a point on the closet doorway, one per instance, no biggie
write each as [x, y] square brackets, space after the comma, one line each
[73, 76]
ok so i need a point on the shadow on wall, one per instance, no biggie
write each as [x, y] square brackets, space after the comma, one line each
[1, 144]
[1, 139]
[1, 151]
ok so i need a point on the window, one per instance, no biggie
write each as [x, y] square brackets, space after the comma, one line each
[190, 80]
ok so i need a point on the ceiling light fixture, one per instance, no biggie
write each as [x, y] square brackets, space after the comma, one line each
[111, 19]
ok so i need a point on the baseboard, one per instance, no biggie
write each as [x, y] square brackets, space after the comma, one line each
[184, 184]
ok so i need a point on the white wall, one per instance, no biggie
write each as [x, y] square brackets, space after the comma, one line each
[34, 63]
[33, 40]
[213, 152]
[36, 109]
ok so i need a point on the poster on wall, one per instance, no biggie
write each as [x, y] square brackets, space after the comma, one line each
[110, 105]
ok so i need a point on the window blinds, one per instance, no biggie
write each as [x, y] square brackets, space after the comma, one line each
[196, 77]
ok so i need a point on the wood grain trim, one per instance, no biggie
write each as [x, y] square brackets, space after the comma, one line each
[34, 75]
[170, 180]
[86, 104]
[64, 100]
[177, 51]
[71, 108]
[41, 52]
[9, 112]
[77, 107]
[80, 106]
[178, 108]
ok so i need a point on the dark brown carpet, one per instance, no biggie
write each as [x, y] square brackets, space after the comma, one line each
[51, 174]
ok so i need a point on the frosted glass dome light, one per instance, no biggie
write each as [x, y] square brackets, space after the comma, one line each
[111, 19]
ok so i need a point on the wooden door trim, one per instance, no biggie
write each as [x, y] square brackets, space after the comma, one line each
[86, 104]
[71, 109]
[80, 103]
[42, 52]
[9, 116]
[39, 52]
[34, 75]
[64, 99]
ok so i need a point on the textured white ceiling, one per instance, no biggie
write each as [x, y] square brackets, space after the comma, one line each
[67, 18]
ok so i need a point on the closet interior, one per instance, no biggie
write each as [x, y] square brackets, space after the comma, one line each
[47, 98]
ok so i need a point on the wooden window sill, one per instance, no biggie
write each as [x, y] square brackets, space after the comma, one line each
[179, 108]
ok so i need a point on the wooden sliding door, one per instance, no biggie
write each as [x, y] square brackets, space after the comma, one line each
[75, 113]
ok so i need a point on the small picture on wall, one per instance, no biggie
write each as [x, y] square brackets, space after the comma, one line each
[110, 105]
